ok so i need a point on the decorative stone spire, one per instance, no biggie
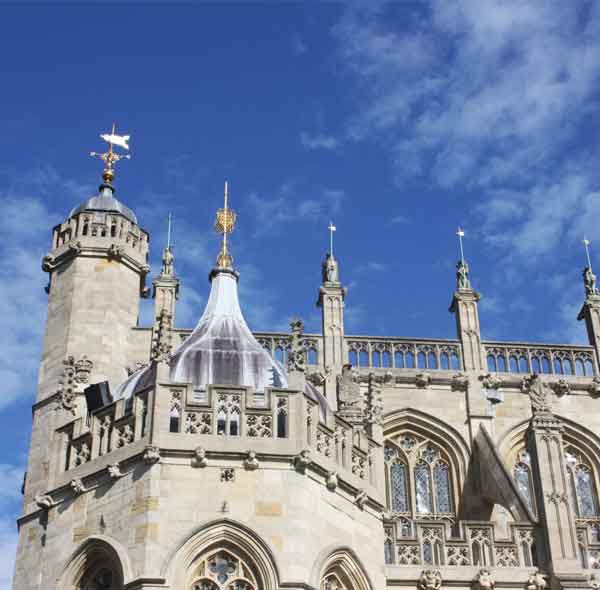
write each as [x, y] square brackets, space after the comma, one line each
[165, 293]
[464, 305]
[590, 311]
[331, 301]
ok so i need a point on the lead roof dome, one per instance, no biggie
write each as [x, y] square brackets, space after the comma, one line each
[105, 201]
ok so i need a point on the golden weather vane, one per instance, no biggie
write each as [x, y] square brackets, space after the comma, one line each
[110, 158]
[225, 224]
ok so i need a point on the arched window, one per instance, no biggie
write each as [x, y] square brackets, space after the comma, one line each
[386, 359]
[523, 477]
[341, 572]
[419, 478]
[222, 570]
[95, 566]
[583, 487]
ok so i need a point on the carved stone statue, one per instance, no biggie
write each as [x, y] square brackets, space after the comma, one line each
[462, 275]
[430, 580]
[167, 262]
[539, 393]
[536, 581]
[297, 353]
[484, 580]
[330, 270]
[589, 281]
[349, 394]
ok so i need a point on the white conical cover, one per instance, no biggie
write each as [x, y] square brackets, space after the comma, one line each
[221, 349]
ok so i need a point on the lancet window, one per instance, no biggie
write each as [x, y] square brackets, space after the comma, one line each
[223, 570]
[419, 480]
[583, 484]
[523, 477]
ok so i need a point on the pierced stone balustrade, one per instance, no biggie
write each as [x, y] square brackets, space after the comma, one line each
[430, 543]
[518, 357]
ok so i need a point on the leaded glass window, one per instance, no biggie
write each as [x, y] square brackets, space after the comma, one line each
[222, 570]
[584, 486]
[423, 488]
[523, 479]
[398, 487]
[443, 494]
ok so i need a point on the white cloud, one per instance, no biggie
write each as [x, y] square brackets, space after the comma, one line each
[318, 141]
[298, 45]
[286, 207]
[371, 267]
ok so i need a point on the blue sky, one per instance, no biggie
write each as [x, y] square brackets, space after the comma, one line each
[397, 121]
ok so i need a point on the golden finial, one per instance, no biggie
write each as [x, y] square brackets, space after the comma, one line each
[110, 158]
[225, 224]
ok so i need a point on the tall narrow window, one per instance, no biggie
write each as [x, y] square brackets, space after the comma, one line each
[423, 488]
[398, 487]
[443, 495]
[522, 476]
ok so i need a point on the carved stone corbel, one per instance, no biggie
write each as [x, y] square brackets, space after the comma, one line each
[302, 460]
[430, 580]
[460, 382]
[484, 580]
[561, 387]
[361, 499]
[199, 459]
[251, 462]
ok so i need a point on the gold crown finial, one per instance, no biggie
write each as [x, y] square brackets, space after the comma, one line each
[225, 224]
[110, 158]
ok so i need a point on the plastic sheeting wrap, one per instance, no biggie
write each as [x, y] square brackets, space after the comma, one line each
[221, 349]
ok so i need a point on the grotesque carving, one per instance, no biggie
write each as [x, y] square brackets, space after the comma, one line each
[114, 471]
[460, 382]
[490, 381]
[594, 582]
[430, 580]
[484, 580]
[44, 501]
[422, 379]
[199, 459]
[83, 369]
[297, 353]
[561, 387]
[116, 252]
[251, 462]
[77, 486]
[538, 392]
[361, 499]
[152, 455]
[535, 581]
[302, 460]
[332, 480]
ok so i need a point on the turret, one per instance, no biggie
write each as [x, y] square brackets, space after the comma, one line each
[590, 310]
[331, 301]
[97, 266]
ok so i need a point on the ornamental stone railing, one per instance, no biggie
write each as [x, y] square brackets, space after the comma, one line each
[526, 358]
[430, 543]
[403, 353]
[109, 429]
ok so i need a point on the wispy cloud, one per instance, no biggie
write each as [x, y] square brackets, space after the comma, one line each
[318, 141]
[371, 267]
[494, 97]
[11, 478]
[299, 46]
[286, 207]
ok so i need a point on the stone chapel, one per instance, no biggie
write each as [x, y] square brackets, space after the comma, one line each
[223, 458]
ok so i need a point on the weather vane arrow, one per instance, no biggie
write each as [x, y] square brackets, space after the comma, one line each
[110, 158]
